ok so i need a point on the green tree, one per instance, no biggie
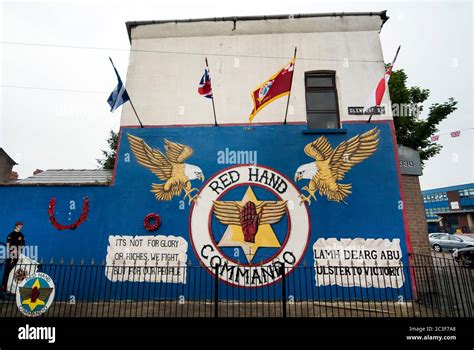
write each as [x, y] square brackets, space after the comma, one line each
[109, 156]
[411, 128]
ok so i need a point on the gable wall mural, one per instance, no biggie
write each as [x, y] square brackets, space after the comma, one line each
[240, 202]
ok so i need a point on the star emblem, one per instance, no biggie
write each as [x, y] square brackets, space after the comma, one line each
[35, 296]
[249, 223]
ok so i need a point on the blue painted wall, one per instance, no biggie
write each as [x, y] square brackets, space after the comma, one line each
[372, 210]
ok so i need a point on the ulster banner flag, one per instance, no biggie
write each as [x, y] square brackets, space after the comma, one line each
[276, 86]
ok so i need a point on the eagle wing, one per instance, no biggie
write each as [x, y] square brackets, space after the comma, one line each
[44, 293]
[271, 212]
[150, 158]
[25, 292]
[228, 213]
[352, 152]
[320, 149]
[176, 152]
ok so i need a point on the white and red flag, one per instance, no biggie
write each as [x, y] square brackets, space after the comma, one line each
[456, 133]
[375, 98]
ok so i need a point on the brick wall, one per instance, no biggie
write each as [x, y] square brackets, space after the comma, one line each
[5, 169]
[415, 212]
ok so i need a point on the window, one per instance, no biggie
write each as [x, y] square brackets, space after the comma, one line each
[322, 111]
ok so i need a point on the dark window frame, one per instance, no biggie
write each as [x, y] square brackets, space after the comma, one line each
[333, 88]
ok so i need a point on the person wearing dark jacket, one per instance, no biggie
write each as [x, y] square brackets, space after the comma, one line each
[15, 242]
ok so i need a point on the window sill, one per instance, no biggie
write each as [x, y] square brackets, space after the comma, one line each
[325, 131]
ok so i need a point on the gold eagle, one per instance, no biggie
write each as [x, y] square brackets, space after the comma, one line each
[169, 167]
[331, 165]
[249, 216]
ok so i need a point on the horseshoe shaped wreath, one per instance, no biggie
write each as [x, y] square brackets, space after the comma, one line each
[74, 225]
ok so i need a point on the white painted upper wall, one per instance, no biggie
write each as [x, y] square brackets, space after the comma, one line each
[167, 62]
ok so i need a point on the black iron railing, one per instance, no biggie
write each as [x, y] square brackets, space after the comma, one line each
[426, 287]
[444, 285]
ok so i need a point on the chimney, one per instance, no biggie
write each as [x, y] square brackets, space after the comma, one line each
[6, 166]
[37, 171]
[14, 175]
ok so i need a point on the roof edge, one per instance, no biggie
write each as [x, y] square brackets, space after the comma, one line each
[56, 184]
[10, 159]
[132, 24]
[445, 187]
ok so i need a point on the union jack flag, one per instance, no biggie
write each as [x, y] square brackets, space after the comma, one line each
[456, 133]
[205, 88]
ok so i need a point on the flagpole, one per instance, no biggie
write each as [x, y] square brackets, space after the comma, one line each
[212, 98]
[291, 83]
[391, 64]
[396, 55]
[371, 114]
[133, 107]
[129, 98]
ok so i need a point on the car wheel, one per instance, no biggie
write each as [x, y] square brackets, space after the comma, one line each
[437, 248]
[466, 262]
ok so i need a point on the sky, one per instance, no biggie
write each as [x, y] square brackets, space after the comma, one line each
[55, 75]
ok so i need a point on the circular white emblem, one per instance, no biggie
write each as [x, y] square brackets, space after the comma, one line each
[247, 222]
[264, 90]
[35, 294]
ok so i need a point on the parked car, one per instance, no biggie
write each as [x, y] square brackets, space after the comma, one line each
[446, 241]
[464, 256]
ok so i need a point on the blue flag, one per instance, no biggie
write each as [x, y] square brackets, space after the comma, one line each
[119, 96]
